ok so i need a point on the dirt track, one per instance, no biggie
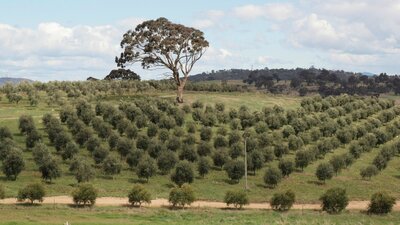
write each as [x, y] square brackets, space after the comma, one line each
[114, 201]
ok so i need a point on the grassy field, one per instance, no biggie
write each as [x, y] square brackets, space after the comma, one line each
[215, 184]
[34, 215]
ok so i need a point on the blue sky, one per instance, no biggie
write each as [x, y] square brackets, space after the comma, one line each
[71, 40]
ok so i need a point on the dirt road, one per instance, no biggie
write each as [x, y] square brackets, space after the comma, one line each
[115, 201]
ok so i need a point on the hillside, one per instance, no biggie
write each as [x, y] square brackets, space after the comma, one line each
[283, 74]
[4, 80]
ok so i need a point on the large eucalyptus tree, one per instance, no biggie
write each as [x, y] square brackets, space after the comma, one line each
[162, 44]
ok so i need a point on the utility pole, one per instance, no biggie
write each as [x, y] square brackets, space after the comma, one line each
[245, 163]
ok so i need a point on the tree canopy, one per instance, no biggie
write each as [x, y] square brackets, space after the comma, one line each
[162, 44]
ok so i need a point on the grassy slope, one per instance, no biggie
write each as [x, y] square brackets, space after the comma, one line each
[109, 215]
[215, 184]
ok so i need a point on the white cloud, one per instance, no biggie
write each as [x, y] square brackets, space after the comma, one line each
[273, 11]
[353, 59]
[209, 19]
[52, 47]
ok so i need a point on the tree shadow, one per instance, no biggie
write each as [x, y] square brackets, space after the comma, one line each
[231, 182]
[319, 183]
[28, 204]
[137, 180]
[397, 176]
[169, 185]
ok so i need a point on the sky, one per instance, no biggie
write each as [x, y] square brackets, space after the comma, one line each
[71, 40]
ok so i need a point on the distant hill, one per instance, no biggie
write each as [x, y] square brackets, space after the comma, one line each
[243, 74]
[4, 80]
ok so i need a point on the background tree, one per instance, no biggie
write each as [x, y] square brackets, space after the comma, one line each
[235, 170]
[203, 166]
[13, 164]
[146, 167]
[286, 166]
[161, 43]
[84, 172]
[324, 172]
[368, 172]
[111, 166]
[183, 173]
[272, 176]
[166, 161]
[50, 169]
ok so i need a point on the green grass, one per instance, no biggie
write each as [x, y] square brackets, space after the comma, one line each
[23, 215]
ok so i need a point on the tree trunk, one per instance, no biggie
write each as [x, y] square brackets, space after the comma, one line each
[179, 97]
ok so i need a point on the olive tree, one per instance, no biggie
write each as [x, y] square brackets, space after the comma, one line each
[163, 44]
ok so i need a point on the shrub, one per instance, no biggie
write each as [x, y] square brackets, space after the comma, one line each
[111, 166]
[324, 172]
[100, 154]
[197, 104]
[152, 130]
[368, 172]
[13, 164]
[155, 148]
[166, 161]
[236, 198]
[286, 166]
[181, 196]
[188, 153]
[236, 150]
[142, 142]
[204, 148]
[261, 127]
[50, 169]
[338, 163]
[124, 146]
[255, 161]
[32, 192]
[282, 201]
[92, 143]
[272, 176]
[32, 137]
[183, 173]
[334, 200]
[381, 203]
[139, 195]
[69, 151]
[220, 157]
[203, 166]
[146, 167]
[191, 127]
[220, 106]
[84, 195]
[174, 143]
[84, 172]
[134, 157]
[205, 133]
[280, 150]
[131, 131]
[26, 124]
[5, 133]
[220, 142]
[380, 162]
[235, 170]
